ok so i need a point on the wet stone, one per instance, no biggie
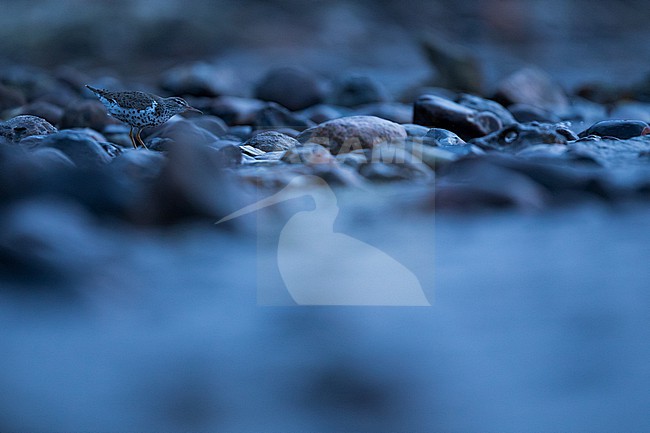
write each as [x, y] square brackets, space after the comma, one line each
[622, 129]
[442, 137]
[468, 123]
[19, 127]
[354, 132]
[516, 137]
[271, 141]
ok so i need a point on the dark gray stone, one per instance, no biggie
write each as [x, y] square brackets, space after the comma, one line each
[516, 137]
[531, 86]
[354, 90]
[436, 112]
[622, 129]
[272, 141]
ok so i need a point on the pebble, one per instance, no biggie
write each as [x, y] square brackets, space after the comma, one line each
[443, 137]
[271, 141]
[516, 137]
[434, 111]
[19, 127]
[354, 132]
[293, 88]
[531, 86]
[622, 129]
[355, 89]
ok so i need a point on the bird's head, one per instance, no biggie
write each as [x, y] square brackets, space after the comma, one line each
[179, 105]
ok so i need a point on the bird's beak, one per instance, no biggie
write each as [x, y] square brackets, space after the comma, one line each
[196, 110]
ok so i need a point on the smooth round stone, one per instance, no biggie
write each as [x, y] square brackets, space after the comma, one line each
[437, 112]
[86, 114]
[622, 129]
[355, 90]
[293, 88]
[138, 165]
[355, 132]
[272, 141]
[531, 86]
[19, 127]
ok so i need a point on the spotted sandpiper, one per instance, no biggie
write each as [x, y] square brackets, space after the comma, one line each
[140, 110]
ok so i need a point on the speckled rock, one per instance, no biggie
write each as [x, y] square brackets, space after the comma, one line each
[531, 86]
[293, 88]
[87, 114]
[516, 137]
[434, 111]
[355, 89]
[354, 132]
[622, 129]
[19, 127]
[272, 141]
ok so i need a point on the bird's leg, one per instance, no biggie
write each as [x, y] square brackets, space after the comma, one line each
[132, 139]
[140, 139]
